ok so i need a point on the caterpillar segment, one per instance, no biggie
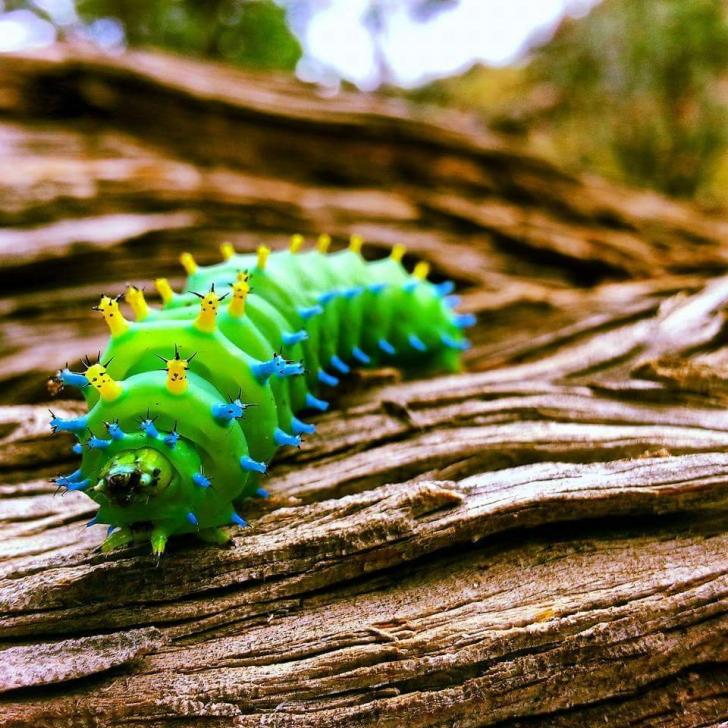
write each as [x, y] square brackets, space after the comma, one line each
[190, 400]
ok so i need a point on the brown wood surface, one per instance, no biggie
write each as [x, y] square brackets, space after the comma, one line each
[540, 540]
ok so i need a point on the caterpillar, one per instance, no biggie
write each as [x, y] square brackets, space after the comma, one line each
[189, 401]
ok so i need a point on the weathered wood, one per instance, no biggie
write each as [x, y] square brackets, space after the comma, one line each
[539, 541]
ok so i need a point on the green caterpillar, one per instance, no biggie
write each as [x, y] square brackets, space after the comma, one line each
[193, 399]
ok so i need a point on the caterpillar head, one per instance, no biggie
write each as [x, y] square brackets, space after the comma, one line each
[133, 477]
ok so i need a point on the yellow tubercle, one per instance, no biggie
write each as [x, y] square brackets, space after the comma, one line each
[115, 320]
[177, 373]
[323, 243]
[102, 382]
[135, 298]
[263, 253]
[398, 252]
[188, 263]
[241, 289]
[422, 270]
[227, 251]
[165, 290]
[355, 244]
[209, 303]
[296, 243]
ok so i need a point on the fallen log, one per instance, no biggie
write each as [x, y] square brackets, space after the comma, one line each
[538, 541]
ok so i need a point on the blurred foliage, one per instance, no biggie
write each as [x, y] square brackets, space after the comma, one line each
[253, 33]
[642, 76]
[635, 90]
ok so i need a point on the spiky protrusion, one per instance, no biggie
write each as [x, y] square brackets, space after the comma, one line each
[209, 302]
[355, 244]
[323, 243]
[188, 263]
[398, 252]
[115, 320]
[296, 243]
[227, 251]
[263, 253]
[71, 379]
[240, 291]
[102, 382]
[177, 371]
[422, 270]
[225, 412]
[316, 403]
[135, 298]
[165, 290]
[282, 438]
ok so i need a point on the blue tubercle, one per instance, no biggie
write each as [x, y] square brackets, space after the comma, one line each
[64, 480]
[460, 344]
[73, 379]
[79, 484]
[289, 339]
[97, 443]
[77, 448]
[115, 432]
[352, 292]
[282, 438]
[253, 466]
[328, 379]
[262, 493]
[171, 439]
[339, 365]
[264, 370]
[148, 428]
[298, 427]
[75, 424]
[291, 369]
[445, 288]
[376, 287]
[316, 403]
[324, 298]
[416, 343]
[386, 347]
[201, 480]
[360, 356]
[227, 411]
[464, 320]
[238, 521]
[192, 518]
[307, 312]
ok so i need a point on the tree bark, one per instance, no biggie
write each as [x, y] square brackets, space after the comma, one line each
[538, 541]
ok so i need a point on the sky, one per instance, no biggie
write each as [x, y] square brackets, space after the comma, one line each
[495, 32]
[338, 43]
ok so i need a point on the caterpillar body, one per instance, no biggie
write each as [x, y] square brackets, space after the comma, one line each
[189, 402]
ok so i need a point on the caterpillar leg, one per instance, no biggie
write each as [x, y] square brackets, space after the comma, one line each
[217, 536]
[158, 539]
[121, 537]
